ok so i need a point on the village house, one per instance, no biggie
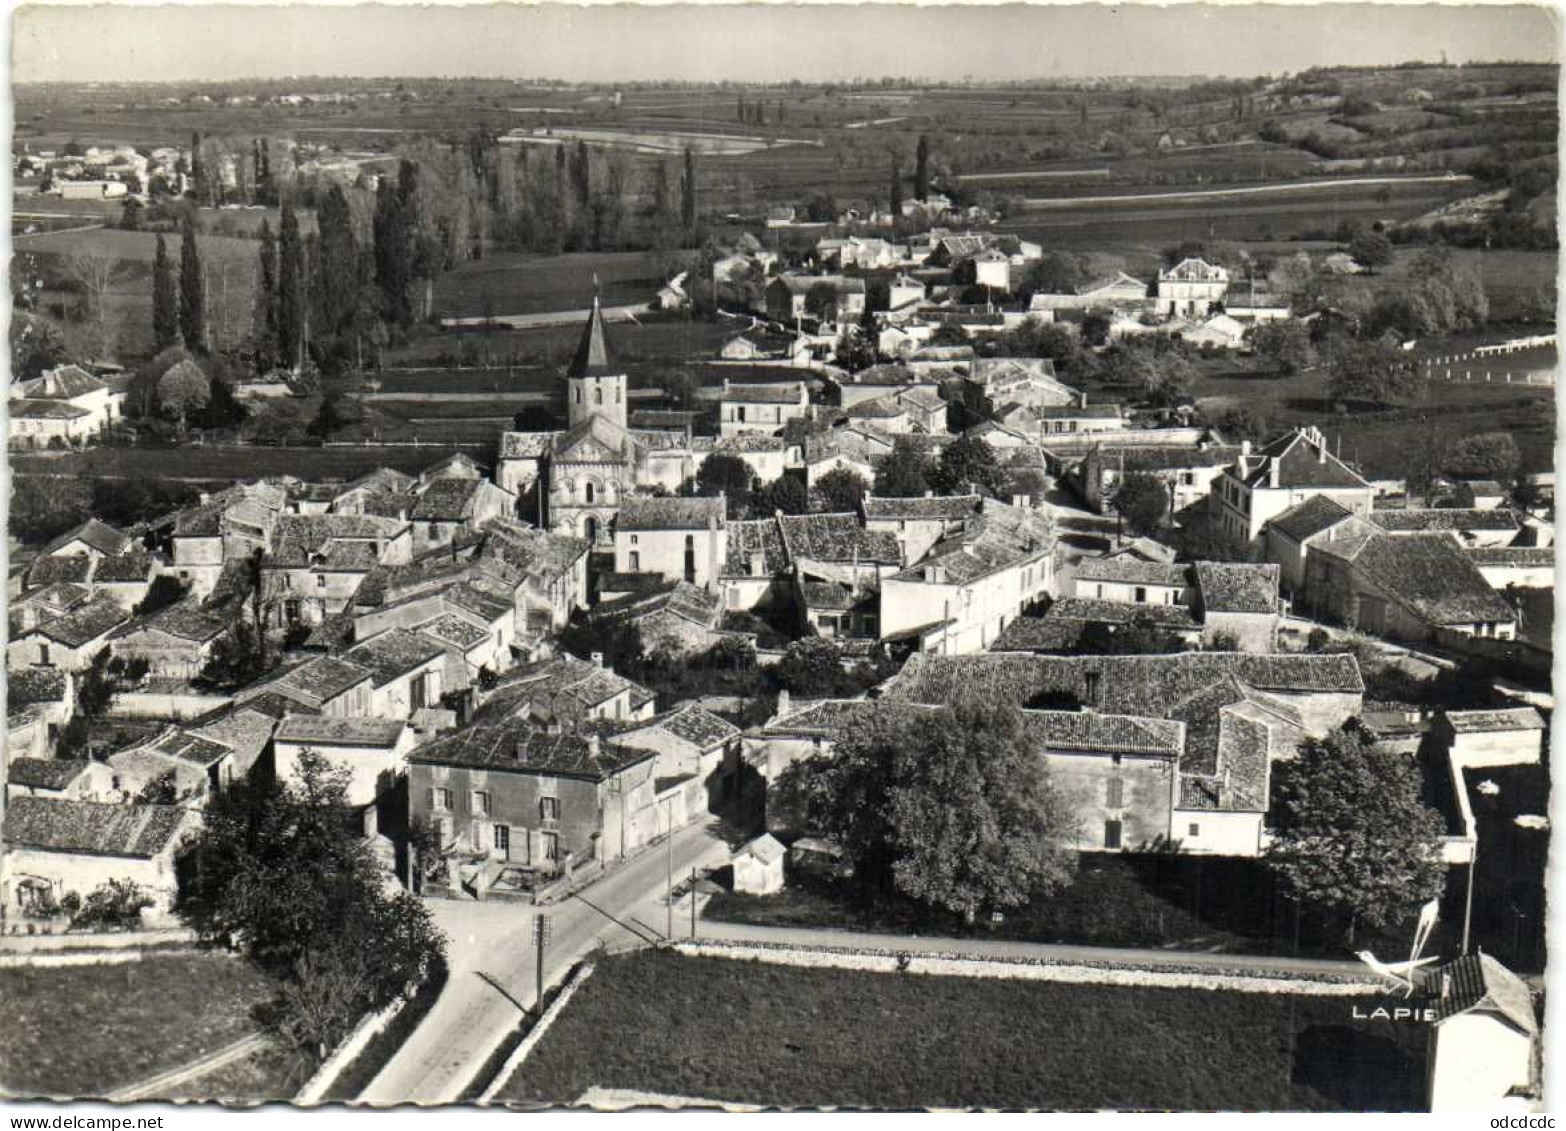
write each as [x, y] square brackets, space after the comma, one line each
[409, 673]
[1118, 290]
[70, 641]
[55, 847]
[761, 409]
[565, 691]
[53, 600]
[850, 389]
[761, 344]
[38, 704]
[1475, 740]
[64, 405]
[329, 685]
[1526, 567]
[64, 779]
[755, 567]
[680, 539]
[317, 563]
[677, 618]
[1473, 527]
[1191, 288]
[1218, 332]
[1061, 419]
[1288, 538]
[373, 752]
[450, 507]
[961, 594]
[1407, 587]
[787, 297]
[93, 539]
[1132, 581]
[1484, 1044]
[195, 766]
[229, 526]
[1237, 603]
[175, 642]
[918, 523]
[1187, 471]
[1261, 485]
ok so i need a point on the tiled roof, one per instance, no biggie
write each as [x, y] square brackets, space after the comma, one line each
[1480, 722]
[928, 508]
[698, 726]
[890, 376]
[85, 623]
[801, 284]
[393, 653]
[680, 598]
[99, 535]
[516, 746]
[29, 409]
[1039, 634]
[878, 408]
[319, 680]
[1516, 556]
[1433, 576]
[297, 538]
[1160, 457]
[836, 538]
[1431, 519]
[1301, 463]
[1118, 612]
[784, 392]
[1237, 587]
[129, 567]
[448, 500]
[91, 829]
[535, 552]
[526, 445]
[673, 513]
[749, 537]
[479, 602]
[451, 629]
[45, 773]
[379, 734]
[383, 480]
[1477, 981]
[1133, 571]
[183, 746]
[1315, 514]
[542, 686]
[56, 568]
[1133, 685]
[63, 383]
[189, 622]
[744, 442]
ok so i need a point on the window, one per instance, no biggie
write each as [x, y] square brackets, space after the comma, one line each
[550, 848]
[588, 492]
[598, 395]
[418, 692]
[1141, 594]
[443, 831]
[440, 799]
[320, 581]
[690, 558]
[43, 654]
[633, 539]
[1195, 829]
[503, 839]
[636, 561]
[739, 414]
[549, 809]
[1111, 834]
[480, 803]
[1090, 688]
[1114, 795]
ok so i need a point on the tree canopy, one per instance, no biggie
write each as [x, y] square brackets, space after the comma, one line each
[1143, 502]
[954, 808]
[184, 389]
[1486, 455]
[1375, 371]
[967, 464]
[903, 472]
[1353, 839]
[840, 490]
[730, 476]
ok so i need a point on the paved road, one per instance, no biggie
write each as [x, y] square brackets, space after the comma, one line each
[1261, 964]
[625, 313]
[492, 964]
[1248, 190]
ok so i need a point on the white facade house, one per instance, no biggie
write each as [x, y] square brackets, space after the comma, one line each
[1190, 288]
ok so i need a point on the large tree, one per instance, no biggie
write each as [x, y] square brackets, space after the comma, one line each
[337, 282]
[281, 872]
[1142, 501]
[1485, 455]
[1370, 249]
[729, 476]
[1377, 372]
[968, 464]
[192, 288]
[290, 292]
[266, 302]
[393, 255]
[952, 807]
[184, 389]
[904, 472]
[1285, 344]
[895, 197]
[840, 490]
[1352, 838]
[688, 196]
[922, 168]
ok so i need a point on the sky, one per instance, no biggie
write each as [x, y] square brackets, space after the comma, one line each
[756, 42]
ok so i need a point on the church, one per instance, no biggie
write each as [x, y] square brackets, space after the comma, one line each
[575, 480]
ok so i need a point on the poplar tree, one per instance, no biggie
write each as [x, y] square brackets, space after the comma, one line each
[896, 197]
[922, 168]
[192, 289]
[688, 190]
[290, 299]
[266, 303]
[392, 255]
[165, 313]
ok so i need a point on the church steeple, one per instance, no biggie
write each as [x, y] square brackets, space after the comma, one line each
[592, 353]
[594, 386]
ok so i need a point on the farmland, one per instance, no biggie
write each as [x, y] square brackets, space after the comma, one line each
[791, 1037]
[514, 283]
[89, 1030]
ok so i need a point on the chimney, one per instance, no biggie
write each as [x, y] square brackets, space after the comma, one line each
[1245, 449]
[598, 659]
[783, 704]
[1272, 472]
[592, 746]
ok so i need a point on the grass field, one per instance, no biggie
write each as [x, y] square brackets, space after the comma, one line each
[230, 463]
[88, 1030]
[517, 283]
[722, 1029]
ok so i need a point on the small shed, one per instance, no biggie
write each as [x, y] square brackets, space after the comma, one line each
[758, 867]
[1484, 1049]
[1482, 739]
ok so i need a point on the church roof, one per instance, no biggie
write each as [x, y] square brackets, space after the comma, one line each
[592, 354]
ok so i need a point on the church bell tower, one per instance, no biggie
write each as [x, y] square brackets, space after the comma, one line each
[594, 386]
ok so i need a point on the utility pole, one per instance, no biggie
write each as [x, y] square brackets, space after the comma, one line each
[668, 863]
[1468, 897]
[693, 904]
[542, 930]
